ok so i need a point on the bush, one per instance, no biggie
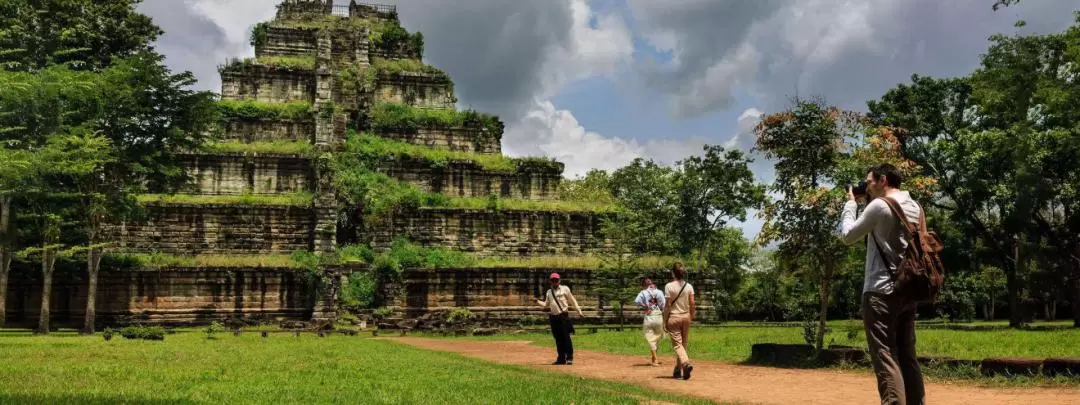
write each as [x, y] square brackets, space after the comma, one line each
[143, 332]
[359, 291]
[459, 316]
[214, 328]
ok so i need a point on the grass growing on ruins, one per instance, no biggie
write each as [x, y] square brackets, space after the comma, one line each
[383, 66]
[258, 110]
[513, 204]
[189, 368]
[156, 261]
[395, 117]
[375, 147]
[265, 147]
[570, 262]
[281, 62]
[298, 199]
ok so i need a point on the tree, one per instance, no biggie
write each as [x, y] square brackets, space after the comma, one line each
[84, 33]
[17, 165]
[807, 143]
[1002, 144]
[712, 190]
[595, 186]
[648, 206]
[77, 162]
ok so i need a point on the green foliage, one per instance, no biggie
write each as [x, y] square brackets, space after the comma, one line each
[594, 186]
[459, 316]
[270, 147]
[297, 199]
[259, 34]
[258, 110]
[394, 38]
[388, 117]
[998, 141]
[155, 261]
[214, 328]
[291, 63]
[359, 291]
[143, 332]
[87, 34]
[375, 149]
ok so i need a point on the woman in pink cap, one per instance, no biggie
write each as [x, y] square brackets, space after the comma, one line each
[555, 299]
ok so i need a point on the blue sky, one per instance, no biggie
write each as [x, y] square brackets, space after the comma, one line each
[597, 83]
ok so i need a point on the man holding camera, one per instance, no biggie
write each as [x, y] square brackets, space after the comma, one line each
[888, 317]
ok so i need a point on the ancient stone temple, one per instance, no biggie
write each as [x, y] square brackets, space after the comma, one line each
[326, 78]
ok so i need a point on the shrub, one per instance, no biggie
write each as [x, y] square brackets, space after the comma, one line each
[255, 110]
[459, 316]
[214, 328]
[359, 291]
[143, 332]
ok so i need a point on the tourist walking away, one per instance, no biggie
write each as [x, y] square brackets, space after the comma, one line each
[897, 243]
[652, 302]
[557, 300]
[678, 314]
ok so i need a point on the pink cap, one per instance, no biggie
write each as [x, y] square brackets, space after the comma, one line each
[554, 276]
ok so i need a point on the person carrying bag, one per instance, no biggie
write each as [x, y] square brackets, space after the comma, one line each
[558, 315]
[678, 315]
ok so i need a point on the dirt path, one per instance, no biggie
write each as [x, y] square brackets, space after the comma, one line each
[726, 382]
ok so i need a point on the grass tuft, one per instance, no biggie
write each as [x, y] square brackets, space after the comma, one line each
[270, 147]
[299, 199]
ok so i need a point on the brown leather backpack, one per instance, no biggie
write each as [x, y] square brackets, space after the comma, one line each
[920, 274]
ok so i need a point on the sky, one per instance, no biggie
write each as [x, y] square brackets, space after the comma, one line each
[598, 83]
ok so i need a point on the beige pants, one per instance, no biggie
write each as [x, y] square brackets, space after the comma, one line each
[890, 335]
[678, 326]
[653, 326]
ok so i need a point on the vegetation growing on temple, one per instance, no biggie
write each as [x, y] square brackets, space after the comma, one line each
[260, 110]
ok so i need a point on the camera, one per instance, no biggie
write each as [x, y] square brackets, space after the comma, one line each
[858, 189]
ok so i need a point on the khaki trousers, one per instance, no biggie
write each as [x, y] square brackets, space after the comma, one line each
[890, 336]
[678, 326]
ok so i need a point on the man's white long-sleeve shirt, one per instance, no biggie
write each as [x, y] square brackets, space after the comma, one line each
[879, 219]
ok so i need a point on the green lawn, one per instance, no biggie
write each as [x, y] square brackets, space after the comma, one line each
[188, 368]
[732, 344]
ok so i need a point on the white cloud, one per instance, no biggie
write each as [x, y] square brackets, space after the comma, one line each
[548, 131]
[849, 51]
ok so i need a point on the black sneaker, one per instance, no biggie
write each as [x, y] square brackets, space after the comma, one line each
[677, 373]
[688, 369]
[569, 362]
[558, 363]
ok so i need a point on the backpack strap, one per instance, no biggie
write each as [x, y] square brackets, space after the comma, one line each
[552, 291]
[902, 220]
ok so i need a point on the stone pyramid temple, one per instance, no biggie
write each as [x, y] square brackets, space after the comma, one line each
[336, 95]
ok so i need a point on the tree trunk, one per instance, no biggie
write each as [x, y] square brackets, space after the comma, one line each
[93, 264]
[1012, 278]
[48, 261]
[1051, 315]
[5, 268]
[825, 288]
[5, 253]
[1076, 303]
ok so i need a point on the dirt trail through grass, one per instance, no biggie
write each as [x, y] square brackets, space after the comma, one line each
[735, 383]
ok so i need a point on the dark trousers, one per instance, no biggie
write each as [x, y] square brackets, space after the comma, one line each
[890, 334]
[560, 329]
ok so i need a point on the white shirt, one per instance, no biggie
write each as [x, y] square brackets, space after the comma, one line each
[680, 305]
[560, 300]
[878, 218]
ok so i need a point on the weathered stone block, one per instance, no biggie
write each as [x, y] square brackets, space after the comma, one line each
[173, 297]
[287, 41]
[467, 179]
[237, 173]
[216, 228]
[416, 89]
[455, 139]
[269, 130]
[506, 295]
[488, 233]
[267, 84]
